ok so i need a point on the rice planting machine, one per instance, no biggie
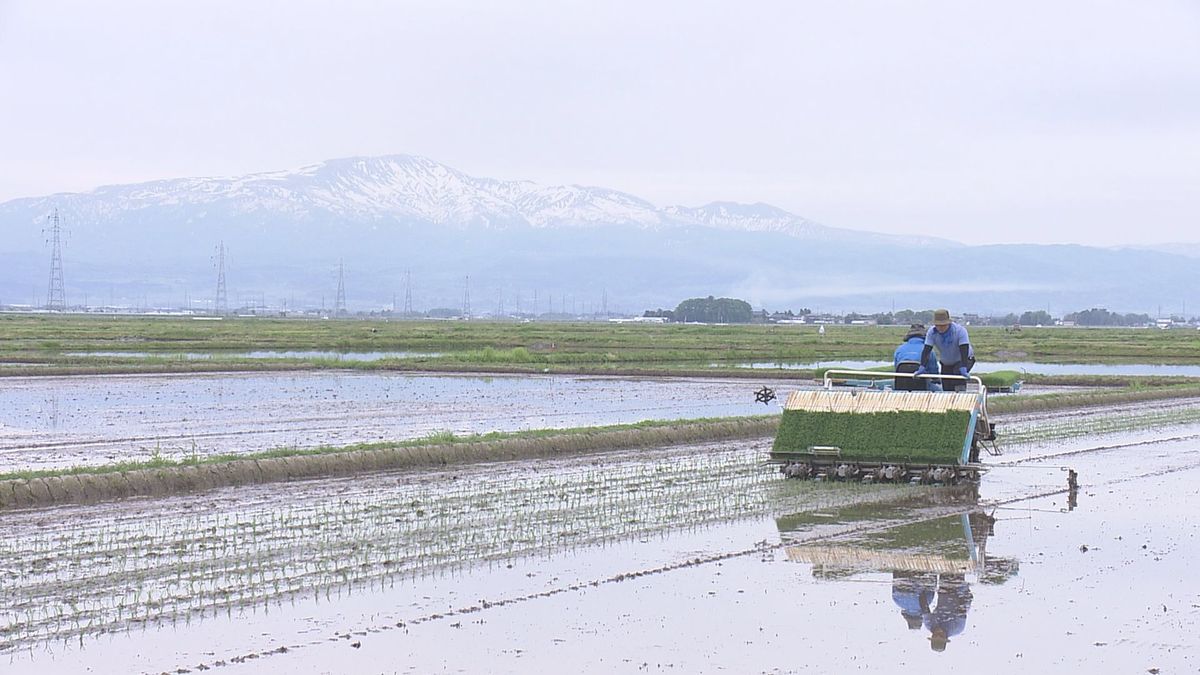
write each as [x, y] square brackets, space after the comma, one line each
[875, 435]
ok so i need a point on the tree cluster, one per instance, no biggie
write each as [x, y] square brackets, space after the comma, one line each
[714, 310]
[708, 310]
[1098, 316]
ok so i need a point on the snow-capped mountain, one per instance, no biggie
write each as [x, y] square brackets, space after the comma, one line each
[284, 233]
[409, 189]
[761, 217]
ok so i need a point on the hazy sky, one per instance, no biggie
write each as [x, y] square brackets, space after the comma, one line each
[980, 121]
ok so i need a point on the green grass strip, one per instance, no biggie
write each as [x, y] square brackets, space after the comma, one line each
[1083, 399]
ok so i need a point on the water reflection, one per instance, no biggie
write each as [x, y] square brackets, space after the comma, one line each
[1126, 369]
[932, 557]
[50, 410]
[939, 600]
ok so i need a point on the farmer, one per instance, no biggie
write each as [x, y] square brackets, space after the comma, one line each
[911, 351]
[953, 348]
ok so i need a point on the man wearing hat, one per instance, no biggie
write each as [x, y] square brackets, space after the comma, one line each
[911, 351]
[953, 349]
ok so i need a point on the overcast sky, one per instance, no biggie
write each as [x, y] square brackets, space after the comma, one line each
[979, 121]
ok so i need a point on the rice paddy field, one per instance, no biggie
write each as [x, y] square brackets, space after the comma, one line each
[685, 559]
[62, 421]
[66, 344]
[690, 557]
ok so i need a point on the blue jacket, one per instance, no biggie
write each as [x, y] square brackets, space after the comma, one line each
[910, 350]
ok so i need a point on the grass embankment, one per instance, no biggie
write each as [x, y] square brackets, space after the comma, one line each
[1084, 399]
[162, 476]
[180, 367]
[63, 343]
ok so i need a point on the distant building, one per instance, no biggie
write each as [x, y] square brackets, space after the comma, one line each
[640, 319]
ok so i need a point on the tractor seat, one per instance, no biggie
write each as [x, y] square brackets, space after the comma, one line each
[909, 383]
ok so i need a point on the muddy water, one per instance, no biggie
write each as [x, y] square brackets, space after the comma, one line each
[631, 563]
[1129, 369]
[50, 422]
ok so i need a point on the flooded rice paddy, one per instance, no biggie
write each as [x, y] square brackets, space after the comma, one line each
[1126, 369]
[50, 422]
[682, 559]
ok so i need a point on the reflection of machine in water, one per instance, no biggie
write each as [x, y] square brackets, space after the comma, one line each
[930, 559]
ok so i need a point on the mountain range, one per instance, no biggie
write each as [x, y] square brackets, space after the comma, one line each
[395, 220]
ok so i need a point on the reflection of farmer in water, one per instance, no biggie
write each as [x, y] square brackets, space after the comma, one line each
[929, 560]
[949, 615]
[939, 603]
[912, 592]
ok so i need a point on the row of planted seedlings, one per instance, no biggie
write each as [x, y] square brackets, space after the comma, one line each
[72, 579]
[1108, 420]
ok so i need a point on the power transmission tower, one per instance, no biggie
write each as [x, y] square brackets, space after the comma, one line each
[339, 304]
[221, 304]
[500, 304]
[56, 298]
[408, 310]
[604, 303]
[466, 308]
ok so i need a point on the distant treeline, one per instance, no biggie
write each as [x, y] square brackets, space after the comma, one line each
[1103, 317]
[732, 310]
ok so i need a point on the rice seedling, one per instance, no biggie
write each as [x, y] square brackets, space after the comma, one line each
[906, 437]
[86, 576]
[1100, 422]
